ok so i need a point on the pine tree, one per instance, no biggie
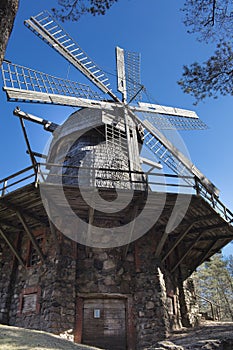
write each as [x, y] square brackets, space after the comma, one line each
[214, 282]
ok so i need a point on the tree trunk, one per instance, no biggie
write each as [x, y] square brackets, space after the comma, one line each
[8, 10]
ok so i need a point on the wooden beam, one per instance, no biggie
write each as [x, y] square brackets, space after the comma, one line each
[205, 255]
[217, 238]
[54, 234]
[211, 227]
[161, 243]
[121, 76]
[132, 224]
[16, 208]
[51, 224]
[12, 248]
[30, 235]
[90, 223]
[178, 240]
[198, 238]
[183, 234]
[9, 224]
[187, 251]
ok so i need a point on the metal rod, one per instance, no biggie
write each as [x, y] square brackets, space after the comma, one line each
[34, 163]
[132, 98]
[37, 154]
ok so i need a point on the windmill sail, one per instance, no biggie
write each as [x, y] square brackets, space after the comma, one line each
[121, 77]
[133, 75]
[28, 85]
[167, 118]
[45, 26]
[169, 122]
[167, 153]
[128, 74]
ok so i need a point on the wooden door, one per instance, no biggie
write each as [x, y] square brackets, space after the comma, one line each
[104, 323]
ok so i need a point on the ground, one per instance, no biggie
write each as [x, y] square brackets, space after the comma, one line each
[208, 336]
[14, 338]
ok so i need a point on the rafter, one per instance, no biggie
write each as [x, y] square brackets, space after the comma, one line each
[54, 234]
[161, 243]
[187, 251]
[205, 254]
[210, 227]
[88, 234]
[178, 240]
[16, 208]
[31, 236]
[9, 224]
[11, 246]
[218, 238]
[132, 225]
[182, 235]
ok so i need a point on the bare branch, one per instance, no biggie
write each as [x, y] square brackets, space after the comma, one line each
[73, 10]
[213, 77]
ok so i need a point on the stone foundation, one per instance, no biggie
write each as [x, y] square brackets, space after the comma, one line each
[45, 296]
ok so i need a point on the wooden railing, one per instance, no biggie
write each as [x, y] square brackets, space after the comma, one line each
[156, 181]
[18, 179]
[215, 309]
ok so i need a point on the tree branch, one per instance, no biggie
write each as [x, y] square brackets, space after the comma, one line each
[212, 18]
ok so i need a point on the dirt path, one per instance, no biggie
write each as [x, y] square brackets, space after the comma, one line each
[209, 336]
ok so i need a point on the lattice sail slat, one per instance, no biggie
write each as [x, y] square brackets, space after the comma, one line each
[21, 78]
[133, 75]
[45, 26]
[172, 157]
[169, 122]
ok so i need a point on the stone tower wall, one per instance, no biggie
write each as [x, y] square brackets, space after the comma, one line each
[72, 271]
[8, 267]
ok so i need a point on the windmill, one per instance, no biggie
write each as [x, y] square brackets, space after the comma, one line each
[28, 85]
[99, 147]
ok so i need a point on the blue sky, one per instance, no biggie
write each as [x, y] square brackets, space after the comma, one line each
[153, 28]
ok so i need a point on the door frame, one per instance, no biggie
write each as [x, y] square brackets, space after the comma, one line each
[129, 314]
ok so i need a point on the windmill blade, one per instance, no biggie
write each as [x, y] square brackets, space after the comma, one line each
[167, 153]
[133, 75]
[128, 74]
[121, 76]
[158, 109]
[45, 26]
[168, 118]
[168, 122]
[28, 85]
